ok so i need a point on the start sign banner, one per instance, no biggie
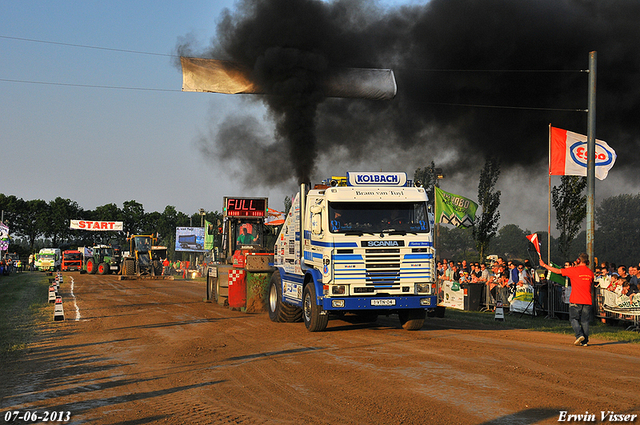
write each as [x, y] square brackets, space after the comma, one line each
[96, 225]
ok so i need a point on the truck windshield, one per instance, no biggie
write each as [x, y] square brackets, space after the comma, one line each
[74, 256]
[378, 217]
[47, 256]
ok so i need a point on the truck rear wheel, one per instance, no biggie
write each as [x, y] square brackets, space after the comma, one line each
[103, 268]
[92, 267]
[275, 297]
[278, 310]
[313, 320]
[412, 320]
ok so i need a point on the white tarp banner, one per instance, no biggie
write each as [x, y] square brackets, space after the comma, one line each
[453, 295]
[96, 225]
[218, 76]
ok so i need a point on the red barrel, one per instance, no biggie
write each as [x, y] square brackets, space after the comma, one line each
[237, 288]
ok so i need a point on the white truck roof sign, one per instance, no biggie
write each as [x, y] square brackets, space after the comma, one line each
[366, 178]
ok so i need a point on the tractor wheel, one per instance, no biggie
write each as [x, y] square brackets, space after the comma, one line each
[92, 267]
[412, 320]
[156, 268]
[103, 268]
[129, 267]
[211, 286]
[313, 320]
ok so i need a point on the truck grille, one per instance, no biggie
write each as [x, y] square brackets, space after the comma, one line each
[382, 266]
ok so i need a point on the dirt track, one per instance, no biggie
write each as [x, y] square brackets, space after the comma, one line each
[153, 352]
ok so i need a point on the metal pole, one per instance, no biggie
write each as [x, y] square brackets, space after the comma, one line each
[549, 209]
[591, 157]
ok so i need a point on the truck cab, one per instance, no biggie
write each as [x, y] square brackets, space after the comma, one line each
[48, 259]
[71, 260]
[363, 247]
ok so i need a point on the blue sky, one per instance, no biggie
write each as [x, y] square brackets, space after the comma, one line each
[110, 145]
[103, 145]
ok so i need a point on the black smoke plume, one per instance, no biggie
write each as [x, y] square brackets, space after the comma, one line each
[481, 78]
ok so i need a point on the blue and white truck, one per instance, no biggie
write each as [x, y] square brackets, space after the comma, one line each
[360, 245]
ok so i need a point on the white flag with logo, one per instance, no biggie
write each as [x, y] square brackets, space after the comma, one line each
[568, 155]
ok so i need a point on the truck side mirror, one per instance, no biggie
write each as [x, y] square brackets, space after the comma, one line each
[316, 224]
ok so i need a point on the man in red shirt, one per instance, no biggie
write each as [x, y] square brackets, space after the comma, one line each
[580, 300]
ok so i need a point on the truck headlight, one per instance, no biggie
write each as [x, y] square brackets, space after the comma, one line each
[337, 303]
[423, 288]
[425, 301]
[338, 290]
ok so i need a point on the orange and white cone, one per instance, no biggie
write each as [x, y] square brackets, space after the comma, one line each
[499, 315]
[52, 293]
[58, 310]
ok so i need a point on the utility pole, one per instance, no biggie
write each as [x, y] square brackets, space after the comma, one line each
[591, 158]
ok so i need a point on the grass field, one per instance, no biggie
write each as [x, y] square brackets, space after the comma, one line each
[25, 312]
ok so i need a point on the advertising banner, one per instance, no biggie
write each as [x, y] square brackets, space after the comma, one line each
[96, 225]
[190, 239]
[453, 295]
[522, 301]
[4, 237]
[454, 209]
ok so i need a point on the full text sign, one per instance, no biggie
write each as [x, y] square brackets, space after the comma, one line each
[96, 225]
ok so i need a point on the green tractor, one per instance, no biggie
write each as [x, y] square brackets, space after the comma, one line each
[141, 259]
[100, 259]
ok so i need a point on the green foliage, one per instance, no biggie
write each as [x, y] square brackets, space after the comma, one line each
[511, 242]
[571, 209]
[428, 178]
[617, 238]
[456, 243]
[486, 225]
[133, 217]
[57, 227]
[287, 205]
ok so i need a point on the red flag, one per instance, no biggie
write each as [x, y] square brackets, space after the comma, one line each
[534, 240]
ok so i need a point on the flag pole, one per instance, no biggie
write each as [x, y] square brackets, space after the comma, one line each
[591, 157]
[549, 210]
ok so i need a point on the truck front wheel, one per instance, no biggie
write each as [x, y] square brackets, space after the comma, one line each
[313, 320]
[412, 320]
[103, 268]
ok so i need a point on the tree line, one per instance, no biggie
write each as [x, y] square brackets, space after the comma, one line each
[34, 223]
[616, 239]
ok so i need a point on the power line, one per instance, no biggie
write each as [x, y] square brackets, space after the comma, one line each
[531, 71]
[399, 69]
[506, 107]
[87, 85]
[468, 105]
[87, 46]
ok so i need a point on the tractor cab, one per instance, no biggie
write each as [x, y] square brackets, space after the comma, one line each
[243, 226]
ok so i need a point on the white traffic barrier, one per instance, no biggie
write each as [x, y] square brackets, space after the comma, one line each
[52, 293]
[499, 312]
[58, 310]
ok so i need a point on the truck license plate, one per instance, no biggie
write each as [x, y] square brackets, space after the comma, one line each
[383, 302]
